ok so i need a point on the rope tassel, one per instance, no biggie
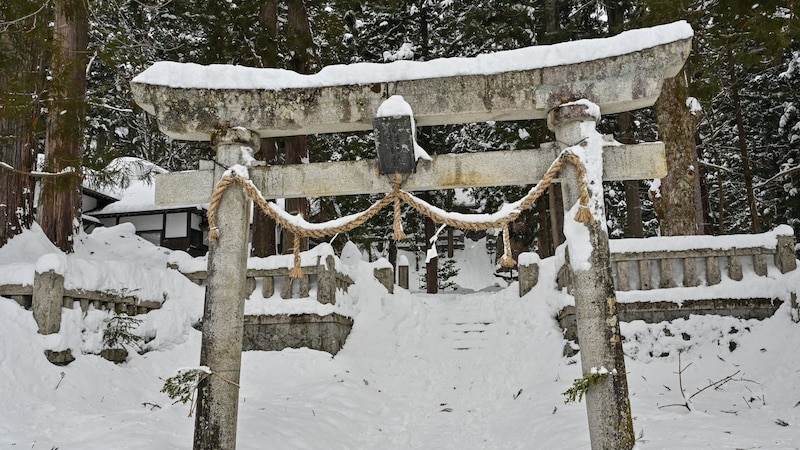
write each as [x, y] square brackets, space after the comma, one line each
[584, 214]
[507, 260]
[216, 197]
[297, 271]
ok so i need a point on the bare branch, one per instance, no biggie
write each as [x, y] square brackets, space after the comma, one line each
[68, 171]
[687, 401]
[716, 384]
[777, 176]
[158, 6]
[113, 108]
[714, 166]
[7, 24]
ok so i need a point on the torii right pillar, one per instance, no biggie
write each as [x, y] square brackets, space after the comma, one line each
[607, 403]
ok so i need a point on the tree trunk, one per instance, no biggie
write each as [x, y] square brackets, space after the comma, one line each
[296, 152]
[264, 237]
[702, 204]
[301, 46]
[552, 28]
[268, 17]
[552, 35]
[22, 76]
[393, 254]
[432, 266]
[60, 202]
[423, 32]
[633, 201]
[746, 172]
[450, 242]
[16, 190]
[721, 210]
[556, 215]
[674, 201]
[543, 237]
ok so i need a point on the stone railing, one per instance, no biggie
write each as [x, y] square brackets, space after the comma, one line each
[274, 332]
[645, 270]
[48, 295]
[326, 277]
[110, 301]
[686, 261]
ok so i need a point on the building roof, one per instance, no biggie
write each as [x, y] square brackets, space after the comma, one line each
[131, 182]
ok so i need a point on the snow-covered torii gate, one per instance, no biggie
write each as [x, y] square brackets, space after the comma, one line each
[234, 106]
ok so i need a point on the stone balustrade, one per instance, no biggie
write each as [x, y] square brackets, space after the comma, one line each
[48, 295]
[325, 276]
[656, 269]
[644, 268]
[666, 267]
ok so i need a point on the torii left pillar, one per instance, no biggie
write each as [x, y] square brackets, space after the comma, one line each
[223, 315]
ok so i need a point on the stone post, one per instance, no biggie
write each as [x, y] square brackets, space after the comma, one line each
[223, 316]
[326, 281]
[607, 403]
[48, 296]
[528, 278]
[784, 257]
[385, 275]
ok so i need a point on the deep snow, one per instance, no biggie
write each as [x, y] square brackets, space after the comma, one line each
[463, 370]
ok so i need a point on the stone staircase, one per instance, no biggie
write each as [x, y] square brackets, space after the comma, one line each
[466, 323]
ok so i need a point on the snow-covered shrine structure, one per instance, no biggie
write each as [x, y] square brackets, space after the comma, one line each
[568, 84]
[130, 198]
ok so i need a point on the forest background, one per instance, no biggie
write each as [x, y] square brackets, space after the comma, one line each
[730, 120]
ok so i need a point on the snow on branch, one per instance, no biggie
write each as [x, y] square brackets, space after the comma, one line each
[36, 173]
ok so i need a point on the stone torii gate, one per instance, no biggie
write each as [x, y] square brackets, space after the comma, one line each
[234, 107]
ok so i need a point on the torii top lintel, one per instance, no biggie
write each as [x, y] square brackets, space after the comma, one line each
[619, 73]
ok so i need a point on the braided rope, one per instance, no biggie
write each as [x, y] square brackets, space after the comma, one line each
[301, 229]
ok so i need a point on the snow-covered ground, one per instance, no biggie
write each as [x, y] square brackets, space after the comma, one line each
[478, 368]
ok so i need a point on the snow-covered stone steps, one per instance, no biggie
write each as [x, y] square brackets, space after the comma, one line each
[464, 324]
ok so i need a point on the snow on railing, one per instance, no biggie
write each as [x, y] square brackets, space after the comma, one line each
[685, 261]
[320, 266]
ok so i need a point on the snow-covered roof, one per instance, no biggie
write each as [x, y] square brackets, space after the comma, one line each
[132, 184]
